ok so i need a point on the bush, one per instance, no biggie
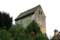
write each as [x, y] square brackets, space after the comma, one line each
[33, 27]
[18, 33]
[41, 36]
[5, 35]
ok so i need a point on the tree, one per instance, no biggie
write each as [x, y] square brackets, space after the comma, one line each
[5, 20]
[33, 27]
[18, 33]
[5, 35]
[36, 33]
[41, 36]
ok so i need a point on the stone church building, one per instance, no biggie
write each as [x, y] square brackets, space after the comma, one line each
[35, 13]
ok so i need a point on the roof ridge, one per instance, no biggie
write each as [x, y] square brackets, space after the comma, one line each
[28, 11]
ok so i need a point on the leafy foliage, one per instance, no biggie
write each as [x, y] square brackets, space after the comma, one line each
[17, 32]
[20, 33]
[4, 35]
[5, 20]
[41, 36]
[33, 27]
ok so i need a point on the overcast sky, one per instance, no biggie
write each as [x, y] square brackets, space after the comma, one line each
[51, 9]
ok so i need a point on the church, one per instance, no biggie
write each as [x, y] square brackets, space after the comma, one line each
[35, 13]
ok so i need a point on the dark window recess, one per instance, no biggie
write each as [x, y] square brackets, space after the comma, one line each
[40, 13]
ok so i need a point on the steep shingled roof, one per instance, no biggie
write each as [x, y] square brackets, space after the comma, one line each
[27, 13]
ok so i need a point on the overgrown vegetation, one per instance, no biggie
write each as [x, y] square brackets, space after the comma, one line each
[33, 27]
[18, 32]
[5, 20]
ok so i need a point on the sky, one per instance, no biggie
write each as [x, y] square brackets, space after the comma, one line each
[51, 9]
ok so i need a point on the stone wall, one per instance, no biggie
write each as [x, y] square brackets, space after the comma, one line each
[38, 16]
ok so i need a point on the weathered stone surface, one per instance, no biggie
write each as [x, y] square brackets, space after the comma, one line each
[38, 15]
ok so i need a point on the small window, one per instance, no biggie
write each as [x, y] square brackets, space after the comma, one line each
[40, 12]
